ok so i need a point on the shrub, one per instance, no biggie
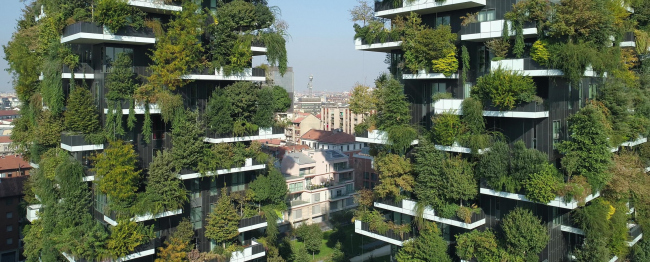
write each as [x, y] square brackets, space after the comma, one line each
[539, 53]
[447, 128]
[447, 65]
[498, 47]
[116, 14]
[542, 186]
[505, 89]
[81, 113]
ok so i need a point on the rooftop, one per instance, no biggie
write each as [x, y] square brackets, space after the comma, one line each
[8, 112]
[5, 139]
[331, 154]
[300, 158]
[11, 162]
[329, 137]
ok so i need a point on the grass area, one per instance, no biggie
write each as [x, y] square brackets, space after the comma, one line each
[351, 243]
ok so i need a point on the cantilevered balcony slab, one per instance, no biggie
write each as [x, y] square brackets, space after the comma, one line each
[638, 141]
[263, 133]
[139, 109]
[91, 33]
[557, 202]
[156, 6]
[382, 47]
[376, 137]
[387, 10]
[529, 110]
[422, 75]
[407, 207]
[531, 68]
[258, 48]
[248, 224]
[250, 165]
[389, 237]
[456, 148]
[146, 217]
[249, 74]
[32, 212]
[483, 31]
[77, 143]
[252, 251]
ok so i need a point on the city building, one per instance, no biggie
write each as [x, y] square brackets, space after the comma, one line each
[14, 172]
[366, 176]
[320, 183]
[310, 105]
[539, 126]
[5, 145]
[128, 52]
[337, 140]
[302, 123]
[339, 117]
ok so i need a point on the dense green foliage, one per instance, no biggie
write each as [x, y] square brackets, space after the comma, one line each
[116, 14]
[117, 177]
[524, 233]
[223, 222]
[164, 191]
[395, 176]
[187, 143]
[311, 235]
[81, 115]
[505, 89]
[428, 246]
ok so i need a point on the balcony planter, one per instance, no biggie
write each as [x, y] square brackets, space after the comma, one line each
[75, 142]
[408, 207]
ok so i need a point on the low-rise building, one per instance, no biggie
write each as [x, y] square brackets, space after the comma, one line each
[302, 123]
[339, 117]
[320, 182]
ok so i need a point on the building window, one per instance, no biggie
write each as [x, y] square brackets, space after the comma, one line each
[315, 210]
[442, 20]
[297, 214]
[570, 103]
[438, 88]
[366, 175]
[10, 228]
[295, 187]
[349, 188]
[593, 91]
[10, 215]
[334, 205]
[214, 191]
[482, 52]
[315, 198]
[10, 241]
[9, 201]
[467, 90]
[238, 183]
[487, 15]
[195, 216]
[556, 133]
[580, 97]
[349, 202]
[366, 184]
[195, 188]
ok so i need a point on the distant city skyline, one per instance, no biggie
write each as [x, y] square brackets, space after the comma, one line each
[321, 44]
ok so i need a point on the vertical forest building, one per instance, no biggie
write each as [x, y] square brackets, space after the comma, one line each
[510, 125]
[140, 118]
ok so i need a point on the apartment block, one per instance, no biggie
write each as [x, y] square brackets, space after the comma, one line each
[339, 117]
[320, 183]
[302, 123]
[14, 172]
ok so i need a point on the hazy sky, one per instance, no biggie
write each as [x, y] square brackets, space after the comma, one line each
[321, 44]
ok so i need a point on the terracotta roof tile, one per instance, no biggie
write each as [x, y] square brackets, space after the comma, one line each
[5, 139]
[329, 137]
[13, 162]
[298, 120]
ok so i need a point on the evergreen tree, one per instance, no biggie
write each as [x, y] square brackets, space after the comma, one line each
[524, 233]
[164, 191]
[299, 254]
[265, 108]
[81, 114]
[219, 112]
[392, 106]
[429, 247]
[126, 236]
[116, 175]
[187, 140]
[243, 96]
[223, 221]
[337, 254]
[395, 175]
[476, 244]
[120, 82]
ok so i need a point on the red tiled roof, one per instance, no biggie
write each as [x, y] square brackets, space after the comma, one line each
[298, 120]
[8, 112]
[318, 116]
[5, 139]
[270, 141]
[13, 162]
[329, 137]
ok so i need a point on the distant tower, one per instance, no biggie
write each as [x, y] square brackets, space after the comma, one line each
[310, 85]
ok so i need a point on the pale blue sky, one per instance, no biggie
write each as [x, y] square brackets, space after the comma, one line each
[321, 44]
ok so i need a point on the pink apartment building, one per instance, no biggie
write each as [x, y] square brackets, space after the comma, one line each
[320, 182]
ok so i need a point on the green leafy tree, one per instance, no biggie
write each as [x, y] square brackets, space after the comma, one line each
[494, 165]
[362, 12]
[121, 81]
[337, 254]
[542, 187]
[395, 175]
[81, 114]
[428, 246]
[426, 48]
[178, 245]
[281, 99]
[187, 140]
[587, 153]
[270, 188]
[126, 236]
[223, 221]
[362, 100]
[524, 233]
[219, 113]
[243, 96]
[392, 106]
[48, 129]
[116, 14]
[164, 191]
[594, 249]
[526, 161]
[265, 108]
[312, 236]
[641, 251]
[116, 174]
[299, 254]
[447, 128]
[482, 245]
[505, 89]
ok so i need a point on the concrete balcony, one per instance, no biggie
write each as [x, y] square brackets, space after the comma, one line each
[632, 143]
[249, 74]
[249, 165]
[635, 234]
[423, 75]
[139, 108]
[248, 224]
[528, 110]
[91, 33]
[483, 31]
[258, 48]
[262, 133]
[77, 143]
[457, 148]
[32, 212]
[376, 137]
[557, 202]
[387, 9]
[157, 6]
[388, 237]
[111, 220]
[252, 250]
[141, 251]
[83, 71]
[377, 46]
[407, 207]
[531, 68]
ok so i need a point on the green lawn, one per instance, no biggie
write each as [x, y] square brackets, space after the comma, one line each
[351, 243]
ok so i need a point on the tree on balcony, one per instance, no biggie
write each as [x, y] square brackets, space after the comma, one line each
[116, 14]
[126, 236]
[223, 221]
[81, 114]
[428, 246]
[311, 236]
[121, 85]
[395, 176]
[178, 245]
[117, 177]
[187, 140]
[505, 89]
[163, 191]
[524, 234]
[281, 99]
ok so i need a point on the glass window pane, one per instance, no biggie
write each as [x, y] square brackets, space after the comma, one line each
[481, 16]
[491, 15]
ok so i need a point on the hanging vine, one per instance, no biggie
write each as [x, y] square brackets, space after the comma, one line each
[466, 66]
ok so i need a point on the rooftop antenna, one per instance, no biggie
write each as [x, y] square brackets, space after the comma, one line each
[310, 85]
